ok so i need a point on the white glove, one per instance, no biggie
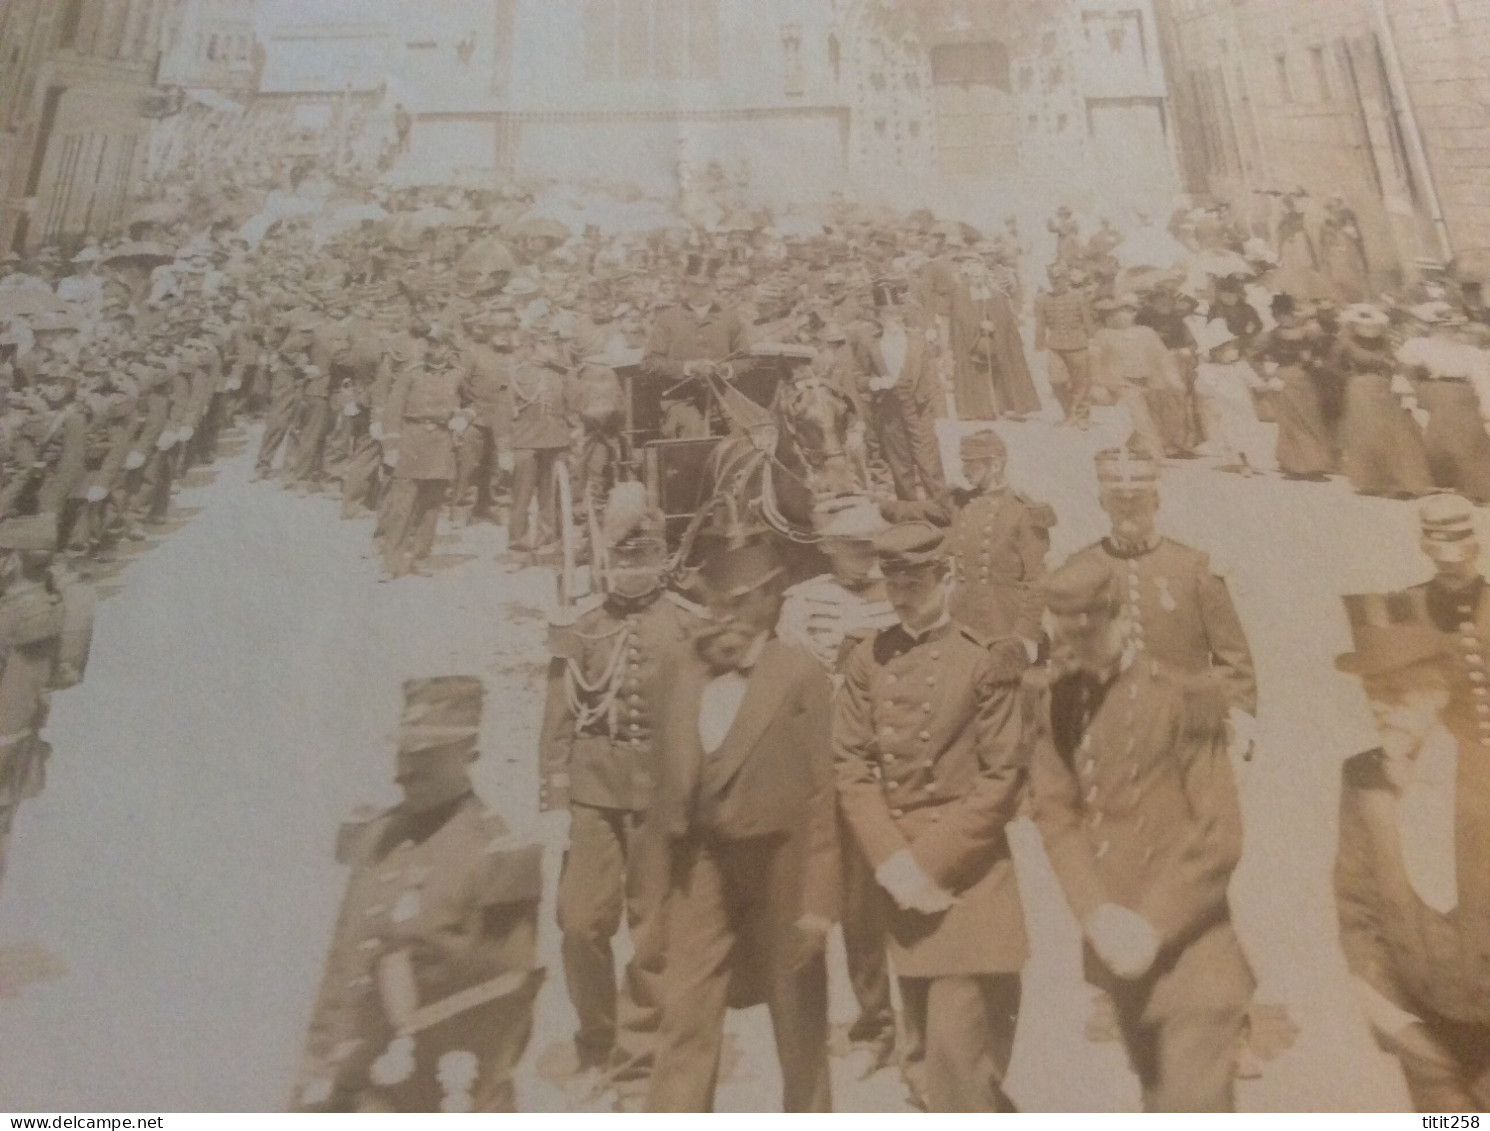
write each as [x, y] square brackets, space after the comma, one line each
[375, 430]
[459, 424]
[352, 409]
[910, 887]
[134, 461]
[390, 458]
[97, 494]
[506, 461]
[185, 434]
[1124, 940]
[1421, 416]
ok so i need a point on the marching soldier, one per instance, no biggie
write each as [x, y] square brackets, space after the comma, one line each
[930, 770]
[828, 616]
[745, 800]
[1135, 799]
[1412, 874]
[596, 766]
[488, 363]
[996, 545]
[46, 627]
[1064, 325]
[426, 1001]
[1176, 608]
[423, 419]
[542, 411]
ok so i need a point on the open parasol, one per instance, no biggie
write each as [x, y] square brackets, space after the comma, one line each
[139, 253]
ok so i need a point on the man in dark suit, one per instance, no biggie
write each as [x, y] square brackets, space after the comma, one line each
[930, 768]
[1412, 875]
[1135, 800]
[745, 799]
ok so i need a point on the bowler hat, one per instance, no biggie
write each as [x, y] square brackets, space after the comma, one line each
[741, 566]
[983, 444]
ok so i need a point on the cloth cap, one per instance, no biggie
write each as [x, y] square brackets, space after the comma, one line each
[32, 532]
[1082, 586]
[983, 444]
[738, 567]
[1121, 469]
[910, 544]
[440, 711]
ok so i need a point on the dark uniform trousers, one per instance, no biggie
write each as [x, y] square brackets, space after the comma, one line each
[412, 518]
[720, 903]
[310, 447]
[903, 421]
[623, 869]
[533, 475]
[361, 477]
[864, 945]
[476, 460]
[277, 422]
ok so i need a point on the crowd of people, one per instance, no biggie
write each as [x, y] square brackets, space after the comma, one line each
[742, 750]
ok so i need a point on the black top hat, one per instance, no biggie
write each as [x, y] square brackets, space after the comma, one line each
[1283, 304]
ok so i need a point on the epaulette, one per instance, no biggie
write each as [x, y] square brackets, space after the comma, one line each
[978, 638]
[1365, 771]
[1010, 660]
[688, 606]
[512, 871]
[355, 833]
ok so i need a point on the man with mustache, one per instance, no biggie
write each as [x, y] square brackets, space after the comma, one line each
[1412, 874]
[745, 801]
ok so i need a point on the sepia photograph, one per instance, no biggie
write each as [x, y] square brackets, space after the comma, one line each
[615, 556]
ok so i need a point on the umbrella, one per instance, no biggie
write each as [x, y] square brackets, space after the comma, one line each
[540, 228]
[139, 254]
[25, 301]
[489, 256]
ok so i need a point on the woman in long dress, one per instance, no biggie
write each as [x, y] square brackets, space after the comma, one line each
[1289, 354]
[1381, 447]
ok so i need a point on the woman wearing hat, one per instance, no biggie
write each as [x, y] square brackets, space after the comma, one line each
[1381, 447]
[1289, 355]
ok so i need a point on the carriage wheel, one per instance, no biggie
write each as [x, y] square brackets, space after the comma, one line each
[568, 541]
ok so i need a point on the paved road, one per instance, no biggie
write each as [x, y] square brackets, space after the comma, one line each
[246, 679]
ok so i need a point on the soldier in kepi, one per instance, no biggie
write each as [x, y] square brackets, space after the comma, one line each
[930, 770]
[1136, 801]
[596, 770]
[46, 627]
[427, 997]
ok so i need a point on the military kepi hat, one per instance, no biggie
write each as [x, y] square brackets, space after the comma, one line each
[1124, 470]
[440, 711]
[1447, 523]
[909, 544]
[32, 532]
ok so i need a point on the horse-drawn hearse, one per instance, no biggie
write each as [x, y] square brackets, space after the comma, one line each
[780, 438]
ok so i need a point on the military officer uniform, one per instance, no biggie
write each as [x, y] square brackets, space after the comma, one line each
[1136, 803]
[1064, 326]
[46, 629]
[421, 419]
[315, 422]
[1180, 611]
[426, 1000]
[596, 760]
[829, 619]
[541, 416]
[487, 392]
[926, 740]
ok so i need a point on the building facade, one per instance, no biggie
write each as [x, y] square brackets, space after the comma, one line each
[75, 85]
[212, 45]
[1384, 102]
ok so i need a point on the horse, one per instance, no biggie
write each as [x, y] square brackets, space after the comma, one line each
[780, 463]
